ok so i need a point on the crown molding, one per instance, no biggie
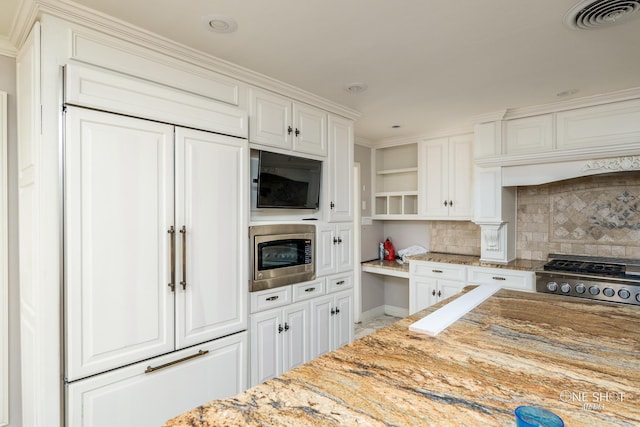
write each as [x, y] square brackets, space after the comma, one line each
[33, 10]
[7, 49]
[441, 133]
[587, 101]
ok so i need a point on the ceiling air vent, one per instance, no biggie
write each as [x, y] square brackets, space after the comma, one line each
[590, 14]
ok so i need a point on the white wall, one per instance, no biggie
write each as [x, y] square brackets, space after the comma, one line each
[8, 84]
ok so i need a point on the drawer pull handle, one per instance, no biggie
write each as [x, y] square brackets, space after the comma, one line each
[273, 298]
[341, 282]
[498, 278]
[310, 289]
[436, 271]
[175, 362]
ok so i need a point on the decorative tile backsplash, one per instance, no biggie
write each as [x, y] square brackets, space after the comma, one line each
[456, 237]
[595, 215]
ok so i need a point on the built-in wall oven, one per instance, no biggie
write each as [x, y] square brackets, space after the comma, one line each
[281, 254]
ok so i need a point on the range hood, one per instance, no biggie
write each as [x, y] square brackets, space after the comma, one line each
[543, 173]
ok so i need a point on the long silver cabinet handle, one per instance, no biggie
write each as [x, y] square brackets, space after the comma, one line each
[175, 362]
[172, 233]
[183, 231]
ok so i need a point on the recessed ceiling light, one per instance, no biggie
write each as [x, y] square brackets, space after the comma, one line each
[220, 23]
[566, 93]
[356, 87]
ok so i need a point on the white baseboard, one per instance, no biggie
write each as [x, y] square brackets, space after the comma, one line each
[382, 310]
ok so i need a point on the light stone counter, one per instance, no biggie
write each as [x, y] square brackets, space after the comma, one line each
[578, 358]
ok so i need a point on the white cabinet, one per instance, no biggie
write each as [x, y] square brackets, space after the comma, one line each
[279, 341]
[339, 196]
[396, 181]
[334, 248]
[529, 134]
[149, 393]
[331, 322]
[142, 275]
[602, 126]
[279, 122]
[519, 280]
[431, 282]
[285, 334]
[446, 178]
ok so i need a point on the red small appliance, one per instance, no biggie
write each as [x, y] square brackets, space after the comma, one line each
[389, 251]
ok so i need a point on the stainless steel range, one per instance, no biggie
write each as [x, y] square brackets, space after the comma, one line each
[606, 279]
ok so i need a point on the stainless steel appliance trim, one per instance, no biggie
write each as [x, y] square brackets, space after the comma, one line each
[286, 275]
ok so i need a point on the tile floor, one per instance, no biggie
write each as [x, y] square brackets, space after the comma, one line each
[365, 328]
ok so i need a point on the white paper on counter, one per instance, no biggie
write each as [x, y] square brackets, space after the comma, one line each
[443, 317]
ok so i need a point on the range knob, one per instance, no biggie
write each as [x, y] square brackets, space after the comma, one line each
[553, 286]
[609, 292]
[624, 293]
[581, 288]
[594, 290]
[638, 297]
[566, 288]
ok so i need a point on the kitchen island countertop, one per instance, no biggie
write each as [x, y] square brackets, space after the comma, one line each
[579, 359]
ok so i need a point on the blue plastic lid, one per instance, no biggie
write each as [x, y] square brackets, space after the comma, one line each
[532, 416]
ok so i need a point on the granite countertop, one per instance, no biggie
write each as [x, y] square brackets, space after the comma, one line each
[517, 264]
[579, 359]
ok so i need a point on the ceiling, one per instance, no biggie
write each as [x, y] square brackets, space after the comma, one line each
[430, 65]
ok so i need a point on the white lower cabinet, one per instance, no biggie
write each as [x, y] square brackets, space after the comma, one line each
[519, 280]
[151, 392]
[286, 331]
[331, 322]
[279, 341]
[431, 282]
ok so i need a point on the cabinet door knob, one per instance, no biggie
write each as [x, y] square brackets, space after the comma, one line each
[335, 240]
[446, 203]
[280, 329]
[286, 326]
[333, 311]
[289, 130]
[433, 292]
[332, 205]
[297, 132]
[339, 240]
[439, 293]
[450, 202]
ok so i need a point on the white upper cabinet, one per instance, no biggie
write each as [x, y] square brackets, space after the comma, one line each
[310, 130]
[339, 200]
[607, 129]
[598, 126]
[279, 122]
[446, 177]
[529, 134]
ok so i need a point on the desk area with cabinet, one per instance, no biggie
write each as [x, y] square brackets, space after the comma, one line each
[436, 276]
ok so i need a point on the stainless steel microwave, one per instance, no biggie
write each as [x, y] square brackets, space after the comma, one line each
[281, 254]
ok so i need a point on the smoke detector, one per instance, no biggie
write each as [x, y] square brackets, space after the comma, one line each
[590, 14]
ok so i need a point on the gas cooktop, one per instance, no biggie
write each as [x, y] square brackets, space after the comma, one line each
[600, 278]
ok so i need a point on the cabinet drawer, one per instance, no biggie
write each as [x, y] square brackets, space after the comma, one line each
[439, 270]
[170, 384]
[339, 283]
[270, 298]
[306, 290]
[512, 279]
